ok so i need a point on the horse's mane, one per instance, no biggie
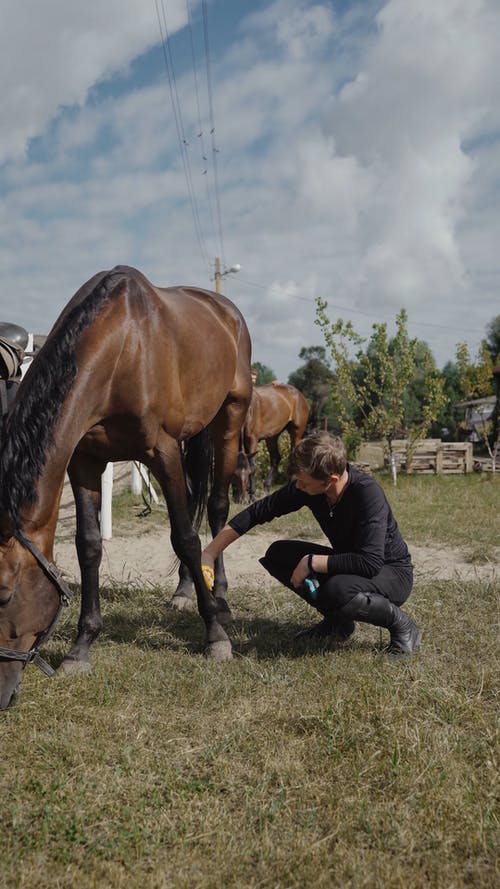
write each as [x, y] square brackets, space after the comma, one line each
[27, 434]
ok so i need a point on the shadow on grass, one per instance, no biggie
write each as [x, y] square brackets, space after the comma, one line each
[154, 625]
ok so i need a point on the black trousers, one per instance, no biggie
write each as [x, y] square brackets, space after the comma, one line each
[335, 592]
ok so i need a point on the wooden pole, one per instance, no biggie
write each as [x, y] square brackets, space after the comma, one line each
[106, 502]
[217, 275]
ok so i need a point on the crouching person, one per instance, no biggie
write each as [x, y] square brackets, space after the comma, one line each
[365, 574]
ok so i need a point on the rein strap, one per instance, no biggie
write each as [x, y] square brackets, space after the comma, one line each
[65, 595]
[50, 569]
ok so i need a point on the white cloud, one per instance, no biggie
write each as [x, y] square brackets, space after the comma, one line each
[54, 52]
[357, 162]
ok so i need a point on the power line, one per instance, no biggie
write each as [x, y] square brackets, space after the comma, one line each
[212, 127]
[169, 67]
[204, 155]
[351, 311]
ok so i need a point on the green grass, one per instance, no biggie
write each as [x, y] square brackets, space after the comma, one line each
[456, 510]
[291, 766]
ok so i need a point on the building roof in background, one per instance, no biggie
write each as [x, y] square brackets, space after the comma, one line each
[476, 402]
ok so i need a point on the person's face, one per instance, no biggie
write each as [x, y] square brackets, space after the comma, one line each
[310, 485]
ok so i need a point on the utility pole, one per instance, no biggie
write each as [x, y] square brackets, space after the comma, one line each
[219, 274]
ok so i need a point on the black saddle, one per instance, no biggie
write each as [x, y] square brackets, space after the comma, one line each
[14, 334]
[13, 342]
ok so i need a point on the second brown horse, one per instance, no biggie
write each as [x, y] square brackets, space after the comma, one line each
[273, 409]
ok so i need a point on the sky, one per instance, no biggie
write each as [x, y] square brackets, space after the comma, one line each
[342, 150]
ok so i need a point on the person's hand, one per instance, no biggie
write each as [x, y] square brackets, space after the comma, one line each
[207, 559]
[207, 569]
[300, 572]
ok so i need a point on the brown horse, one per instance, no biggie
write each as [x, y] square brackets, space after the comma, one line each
[273, 409]
[129, 371]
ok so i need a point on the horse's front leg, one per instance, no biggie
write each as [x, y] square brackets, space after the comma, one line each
[182, 599]
[217, 514]
[274, 458]
[167, 468]
[85, 477]
[251, 479]
[225, 432]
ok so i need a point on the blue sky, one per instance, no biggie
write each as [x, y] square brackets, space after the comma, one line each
[356, 159]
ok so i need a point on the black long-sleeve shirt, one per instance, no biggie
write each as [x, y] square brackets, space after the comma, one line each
[360, 527]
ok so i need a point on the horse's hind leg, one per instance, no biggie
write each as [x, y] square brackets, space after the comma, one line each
[85, 476]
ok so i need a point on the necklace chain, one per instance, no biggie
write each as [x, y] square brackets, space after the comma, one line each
[331, 506]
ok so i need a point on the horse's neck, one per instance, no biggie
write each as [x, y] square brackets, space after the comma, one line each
[41, 517]
[40, 521]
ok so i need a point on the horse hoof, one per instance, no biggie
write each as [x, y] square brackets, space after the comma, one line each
[73, 668]
[224, 616]
[220, 651]
[182, 603]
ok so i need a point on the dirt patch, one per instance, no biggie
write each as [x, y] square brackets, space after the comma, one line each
[150, 558]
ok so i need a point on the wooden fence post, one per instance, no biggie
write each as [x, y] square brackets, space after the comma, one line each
[106, 502]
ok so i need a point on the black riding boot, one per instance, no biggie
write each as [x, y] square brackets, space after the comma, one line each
[372, 608]
[332, 625]
[336, 627]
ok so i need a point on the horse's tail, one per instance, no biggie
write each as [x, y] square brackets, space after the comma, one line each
[198, 468]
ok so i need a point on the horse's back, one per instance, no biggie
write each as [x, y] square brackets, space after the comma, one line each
[275, 406]
[169, 357]
[181, 305]
[181, 330]
[196, 338]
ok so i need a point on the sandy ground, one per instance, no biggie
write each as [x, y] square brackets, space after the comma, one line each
[149, 557]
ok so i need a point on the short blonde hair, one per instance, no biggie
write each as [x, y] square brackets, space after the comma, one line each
[320, 454]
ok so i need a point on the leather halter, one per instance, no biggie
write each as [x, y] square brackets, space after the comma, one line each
[65, 594]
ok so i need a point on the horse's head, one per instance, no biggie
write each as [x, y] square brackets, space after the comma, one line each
[28, 605]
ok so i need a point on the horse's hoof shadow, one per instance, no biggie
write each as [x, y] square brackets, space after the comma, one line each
[224, 615]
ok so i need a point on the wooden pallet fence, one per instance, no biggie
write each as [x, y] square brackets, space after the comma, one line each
[423, 457]
[433, 456]
[485, 464]
[455, 457]
[399, 449]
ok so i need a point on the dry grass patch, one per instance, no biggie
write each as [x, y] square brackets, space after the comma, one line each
[290, 766]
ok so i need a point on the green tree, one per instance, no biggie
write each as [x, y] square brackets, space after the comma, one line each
[454, 393]
[493, 339]
[264, 374]
[415, 396]
[371, 386]
[314, 378]
[476, 377]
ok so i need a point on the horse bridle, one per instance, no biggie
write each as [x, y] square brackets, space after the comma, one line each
[65, 594]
